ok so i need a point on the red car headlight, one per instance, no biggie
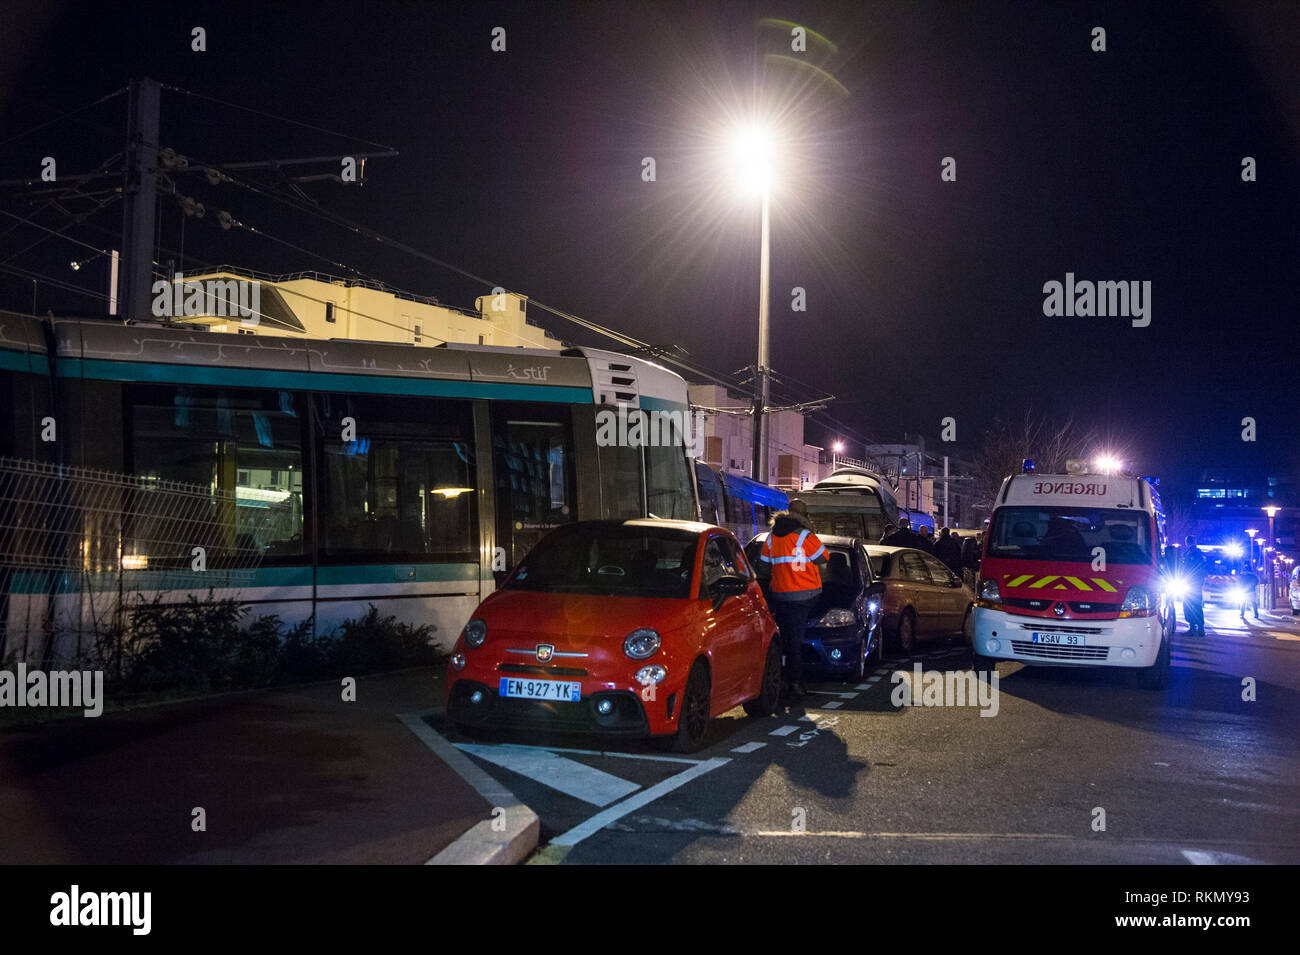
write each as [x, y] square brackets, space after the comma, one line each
[641, 644]
[475, 633]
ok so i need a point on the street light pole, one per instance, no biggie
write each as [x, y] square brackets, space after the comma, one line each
[1271, 511]
[761, 377]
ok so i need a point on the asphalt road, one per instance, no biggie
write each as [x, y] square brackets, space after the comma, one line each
[1075, 766]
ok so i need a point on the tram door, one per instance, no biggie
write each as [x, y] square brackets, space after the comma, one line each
[534, 474]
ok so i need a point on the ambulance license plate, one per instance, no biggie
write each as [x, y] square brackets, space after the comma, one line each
[1061, 639]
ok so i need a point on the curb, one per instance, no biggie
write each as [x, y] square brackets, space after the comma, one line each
[481, 845]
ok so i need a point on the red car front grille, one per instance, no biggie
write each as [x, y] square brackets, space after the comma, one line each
[534, 670]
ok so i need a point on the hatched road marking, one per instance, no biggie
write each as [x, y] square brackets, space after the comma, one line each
[568, 776]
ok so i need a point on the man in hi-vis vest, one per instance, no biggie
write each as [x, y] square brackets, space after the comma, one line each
[791, 554]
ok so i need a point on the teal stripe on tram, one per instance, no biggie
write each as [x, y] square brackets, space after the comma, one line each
[104, 370]
[14, 360]
[331, 575]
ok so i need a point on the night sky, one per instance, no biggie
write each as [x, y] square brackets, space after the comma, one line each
[925, 298]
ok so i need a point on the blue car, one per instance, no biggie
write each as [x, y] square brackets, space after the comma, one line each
[844, 628]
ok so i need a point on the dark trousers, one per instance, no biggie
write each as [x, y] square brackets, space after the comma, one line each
[1194, 611]
[792, 619]
[1251, 602]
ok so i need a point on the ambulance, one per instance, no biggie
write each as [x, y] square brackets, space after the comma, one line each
[1071, 575]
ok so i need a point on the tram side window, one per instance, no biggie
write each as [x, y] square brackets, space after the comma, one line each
[9, 406]
[244, 442]
[404, 488]
[709, 502]
[668, 482]
[740, 511]
[620, 482]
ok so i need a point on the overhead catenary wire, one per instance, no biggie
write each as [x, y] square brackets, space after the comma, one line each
[810, 408]
[67, 115]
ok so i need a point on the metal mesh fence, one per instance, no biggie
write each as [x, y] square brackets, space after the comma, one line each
[109, 536]
[100, 525]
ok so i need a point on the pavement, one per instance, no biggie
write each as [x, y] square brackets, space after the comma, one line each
[291, 775]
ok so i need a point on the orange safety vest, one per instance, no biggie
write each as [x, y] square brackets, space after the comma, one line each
[792, 559]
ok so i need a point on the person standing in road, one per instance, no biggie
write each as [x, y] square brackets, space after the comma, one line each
[1193, 569]
[902, 536]
[793, 552]
[970, 560]
[926, 539]
[948, 549]
[1249, 581]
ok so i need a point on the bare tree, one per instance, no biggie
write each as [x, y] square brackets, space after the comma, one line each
[1004, 446]
[1179, 519]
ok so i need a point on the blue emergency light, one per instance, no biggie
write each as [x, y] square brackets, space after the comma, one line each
[1027, 466]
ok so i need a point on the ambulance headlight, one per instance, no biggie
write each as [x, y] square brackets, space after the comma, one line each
[1237, 594]
[1177, 588]
[1139, 602]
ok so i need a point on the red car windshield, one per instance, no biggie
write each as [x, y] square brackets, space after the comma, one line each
[1070, 534]
[613, 560]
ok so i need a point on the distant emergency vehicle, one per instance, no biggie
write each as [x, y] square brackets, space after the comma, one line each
[1071, 575]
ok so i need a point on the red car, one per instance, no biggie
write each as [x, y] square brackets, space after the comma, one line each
[634, 628]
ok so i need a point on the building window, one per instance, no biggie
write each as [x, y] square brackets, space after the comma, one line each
[417, 334]
[329, 312]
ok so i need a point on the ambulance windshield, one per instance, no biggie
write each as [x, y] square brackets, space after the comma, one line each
[1071, 534]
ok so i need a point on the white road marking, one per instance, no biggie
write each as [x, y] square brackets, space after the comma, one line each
[601, 752]
[565, 775]
[618, 811]
[1205, 857]
[864, 686]
[748, 747]
[842, 696]
[784, 731]
[832, 705]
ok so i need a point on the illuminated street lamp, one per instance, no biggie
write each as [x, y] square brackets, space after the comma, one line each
[1108, 464]
[752, 149]
[1252, 532]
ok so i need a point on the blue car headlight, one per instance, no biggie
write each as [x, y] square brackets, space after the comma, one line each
[837, 618]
